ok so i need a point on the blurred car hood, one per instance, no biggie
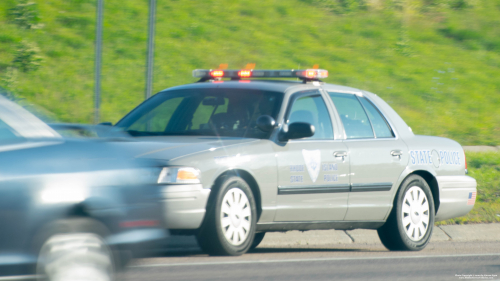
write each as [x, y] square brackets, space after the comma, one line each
[171, 147]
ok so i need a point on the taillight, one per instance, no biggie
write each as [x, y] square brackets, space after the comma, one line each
[465, 160]
[139, 223]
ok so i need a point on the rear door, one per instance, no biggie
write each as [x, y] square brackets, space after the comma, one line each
[377, 156]
[313, 182]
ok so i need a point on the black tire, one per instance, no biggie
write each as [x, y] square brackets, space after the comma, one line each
[257, 239]
[212, 237]
[393, 233]
[74, 249]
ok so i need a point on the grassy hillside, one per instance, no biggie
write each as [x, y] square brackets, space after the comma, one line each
[435, 61]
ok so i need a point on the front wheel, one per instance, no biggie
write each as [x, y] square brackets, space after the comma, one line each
[257, 239]
[410, 224]
[229, 225]
[76, 250]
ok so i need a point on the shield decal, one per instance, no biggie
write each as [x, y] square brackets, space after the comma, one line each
[312, 158]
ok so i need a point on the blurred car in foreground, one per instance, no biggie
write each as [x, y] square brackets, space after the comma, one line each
[70, 209]
[245, 157]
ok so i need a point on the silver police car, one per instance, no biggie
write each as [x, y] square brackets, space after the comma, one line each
[248, 156]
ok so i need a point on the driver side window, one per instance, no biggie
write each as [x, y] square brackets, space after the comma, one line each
[312, 110]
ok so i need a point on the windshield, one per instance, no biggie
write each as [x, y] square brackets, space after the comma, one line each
[17, 123]
[203, 112]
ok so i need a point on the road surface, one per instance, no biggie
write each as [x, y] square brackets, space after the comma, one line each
[439, 261]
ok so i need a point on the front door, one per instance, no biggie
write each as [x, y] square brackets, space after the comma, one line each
[313, 173]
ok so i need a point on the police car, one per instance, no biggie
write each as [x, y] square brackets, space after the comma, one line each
[246, 156]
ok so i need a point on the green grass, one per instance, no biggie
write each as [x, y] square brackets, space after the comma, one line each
[485, 168]
[436, 66]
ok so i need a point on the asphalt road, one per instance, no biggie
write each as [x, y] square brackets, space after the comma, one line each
[439, 261]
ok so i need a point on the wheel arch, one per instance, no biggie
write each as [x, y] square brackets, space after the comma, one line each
[433, 184]
[247, 177]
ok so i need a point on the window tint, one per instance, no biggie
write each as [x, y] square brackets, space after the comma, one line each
[203, 112]
[312, 110]
[380, 125]
[353, 116]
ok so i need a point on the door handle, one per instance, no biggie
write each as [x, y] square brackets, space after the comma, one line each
[342, 154]
[397, 153]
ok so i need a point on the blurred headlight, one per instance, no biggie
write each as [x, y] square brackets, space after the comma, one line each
[179, 175]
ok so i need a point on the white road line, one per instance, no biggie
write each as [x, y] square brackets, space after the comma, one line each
[311, 260]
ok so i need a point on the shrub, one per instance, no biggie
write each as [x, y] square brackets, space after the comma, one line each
[25, 15]
[26, 57]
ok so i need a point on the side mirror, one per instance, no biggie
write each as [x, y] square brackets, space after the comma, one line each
[296, 130]
[106, 124]
[266, 123]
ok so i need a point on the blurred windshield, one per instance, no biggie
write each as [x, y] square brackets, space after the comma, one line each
[17, 123]
[203, 112]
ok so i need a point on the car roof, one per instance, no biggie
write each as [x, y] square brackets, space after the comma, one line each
[266, 85]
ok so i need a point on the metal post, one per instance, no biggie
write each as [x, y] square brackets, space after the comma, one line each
[151, 48]
[97, 63]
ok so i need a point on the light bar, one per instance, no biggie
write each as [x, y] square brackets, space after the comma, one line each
[245, 73]
[305, 74]
[216, 73]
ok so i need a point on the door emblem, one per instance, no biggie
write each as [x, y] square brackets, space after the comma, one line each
[312, 158]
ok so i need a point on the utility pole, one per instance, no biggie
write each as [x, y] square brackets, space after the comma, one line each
[151, 48]
[97, 62]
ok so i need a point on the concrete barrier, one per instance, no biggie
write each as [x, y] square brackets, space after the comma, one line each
[481, 148]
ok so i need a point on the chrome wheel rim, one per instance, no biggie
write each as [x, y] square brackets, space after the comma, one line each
[235, 216]
[415, 213]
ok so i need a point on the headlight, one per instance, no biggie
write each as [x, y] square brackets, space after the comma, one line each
[179, 175]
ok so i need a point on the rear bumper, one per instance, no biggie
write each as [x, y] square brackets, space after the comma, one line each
[184, 205]
[454, 196]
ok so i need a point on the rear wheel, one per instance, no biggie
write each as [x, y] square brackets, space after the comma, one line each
[410, 224]
[75, 250]
[229, 225]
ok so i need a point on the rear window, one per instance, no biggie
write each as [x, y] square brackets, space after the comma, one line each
[204, 112]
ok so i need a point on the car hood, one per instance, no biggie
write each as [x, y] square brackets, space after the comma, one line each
[171, 147]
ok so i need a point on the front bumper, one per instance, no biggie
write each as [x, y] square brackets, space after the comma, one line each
[184, 205]
[454, 196]
[136, 236]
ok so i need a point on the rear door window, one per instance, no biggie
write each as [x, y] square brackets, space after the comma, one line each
[353, 116]
[380, 125]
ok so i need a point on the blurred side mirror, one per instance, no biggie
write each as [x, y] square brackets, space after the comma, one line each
[106, 124]
[266, 123]
[296, 130]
